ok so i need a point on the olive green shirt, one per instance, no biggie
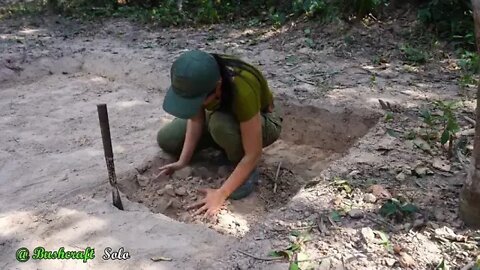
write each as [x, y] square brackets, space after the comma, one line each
[249, 96]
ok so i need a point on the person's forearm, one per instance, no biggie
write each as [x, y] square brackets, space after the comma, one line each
[192, 136]
[240, 174]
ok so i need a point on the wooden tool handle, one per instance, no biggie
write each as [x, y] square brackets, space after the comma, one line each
[107, 148]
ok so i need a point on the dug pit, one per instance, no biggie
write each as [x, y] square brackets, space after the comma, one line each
[311, 138]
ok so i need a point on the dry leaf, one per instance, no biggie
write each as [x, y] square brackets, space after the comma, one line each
[440, 164]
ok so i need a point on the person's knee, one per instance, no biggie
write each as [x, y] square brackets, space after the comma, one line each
[168, 142]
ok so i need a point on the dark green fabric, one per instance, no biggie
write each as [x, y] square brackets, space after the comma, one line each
[193, 75]
[222, 131]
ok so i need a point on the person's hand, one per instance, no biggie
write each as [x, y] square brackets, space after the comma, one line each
[170, 168]
[211, 204]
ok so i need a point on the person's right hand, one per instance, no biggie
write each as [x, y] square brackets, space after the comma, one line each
[169, 169]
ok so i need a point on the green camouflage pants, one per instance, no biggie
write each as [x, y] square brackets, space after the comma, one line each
[222, 131]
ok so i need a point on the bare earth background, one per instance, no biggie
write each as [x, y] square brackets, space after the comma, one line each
[53, 179]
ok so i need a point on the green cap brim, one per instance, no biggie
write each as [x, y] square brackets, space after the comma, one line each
[184, 108]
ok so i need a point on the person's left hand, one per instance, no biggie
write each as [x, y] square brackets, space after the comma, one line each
[211, 204]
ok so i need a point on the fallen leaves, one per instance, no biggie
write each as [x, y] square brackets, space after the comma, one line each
[398, 210]
[298, 240]
[335, 216]
[449, 234]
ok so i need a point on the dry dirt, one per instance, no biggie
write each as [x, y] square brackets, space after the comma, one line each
[53, 177]
[311, 138]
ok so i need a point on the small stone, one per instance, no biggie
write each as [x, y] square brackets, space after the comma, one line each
[160, 192]
[390, 262]
[398, 228]
[356, 213]
[142, 180]
[202, 172]
[368, 234]
[169, 190]
[292, 238]
[380, 192]
[181, 191]
[418, 223]
[421, 171]
[406, 260]
[182, 173]
[369, 198]
[325, 265]
[144, 166]
[354, 173]
[449, 234]
[243, 264]
[433, 225]
[400, 177]
[176, 204]
[401, 198]
[223, 171]
[337, 200]
[438, 214]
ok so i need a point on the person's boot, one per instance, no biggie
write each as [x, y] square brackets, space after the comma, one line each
[247, 187]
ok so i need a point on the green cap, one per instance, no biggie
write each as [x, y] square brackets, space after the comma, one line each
[194, 74]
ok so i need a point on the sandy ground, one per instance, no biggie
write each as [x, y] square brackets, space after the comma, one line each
[54, 189]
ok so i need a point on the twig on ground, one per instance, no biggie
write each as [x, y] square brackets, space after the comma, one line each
[332, 222]
[303, 80]
[260, 258]
[293, 68]
[385, 105]
[470, 120]
[379, 221]
[419, 185]
[276, 177]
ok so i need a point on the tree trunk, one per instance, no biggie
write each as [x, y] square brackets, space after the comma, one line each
[470, 194]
